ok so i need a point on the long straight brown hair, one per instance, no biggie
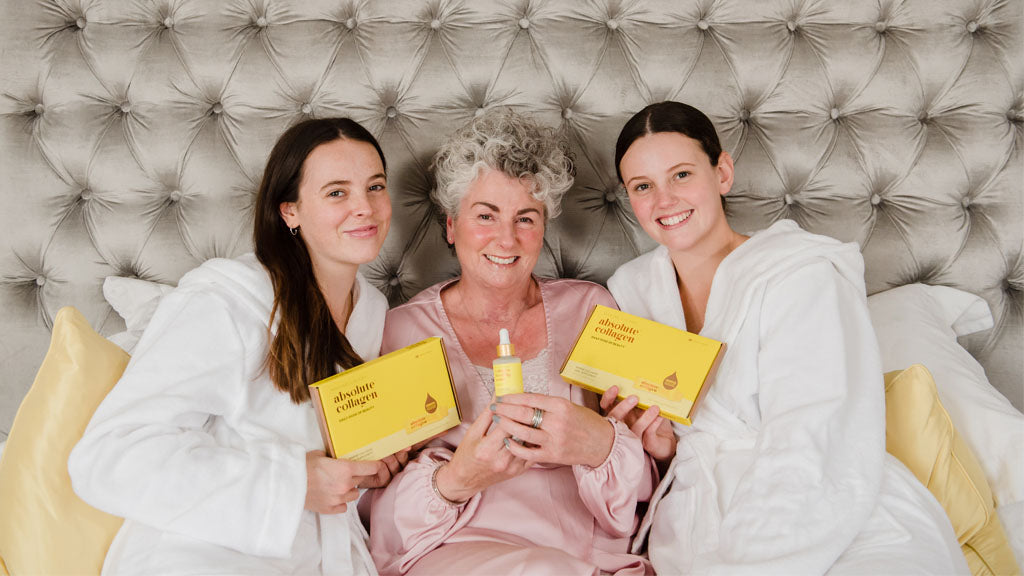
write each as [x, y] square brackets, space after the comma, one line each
[308, 345]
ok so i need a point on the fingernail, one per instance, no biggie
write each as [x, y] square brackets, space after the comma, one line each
[495, 418]
[506, 442]
[498, 399]
[494, 407]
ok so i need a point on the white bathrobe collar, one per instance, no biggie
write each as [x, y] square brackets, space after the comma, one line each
[646, 286]
[245, 280]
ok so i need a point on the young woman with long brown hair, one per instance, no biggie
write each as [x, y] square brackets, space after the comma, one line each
[208, 445]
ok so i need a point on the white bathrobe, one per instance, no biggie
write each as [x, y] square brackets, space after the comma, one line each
[784, 470]
[202, 454]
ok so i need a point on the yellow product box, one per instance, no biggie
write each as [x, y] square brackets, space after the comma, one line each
[658, 364]
[382, 406]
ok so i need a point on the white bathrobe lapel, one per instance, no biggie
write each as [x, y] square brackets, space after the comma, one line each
[646, 286]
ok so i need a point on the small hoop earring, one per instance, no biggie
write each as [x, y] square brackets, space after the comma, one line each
[294, 231]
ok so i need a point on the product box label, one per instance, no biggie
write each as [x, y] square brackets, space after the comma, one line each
[658, 364]
[387, 404]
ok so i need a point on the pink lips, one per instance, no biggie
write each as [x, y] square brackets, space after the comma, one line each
[492, 259]
[362, 232]
[674, 220]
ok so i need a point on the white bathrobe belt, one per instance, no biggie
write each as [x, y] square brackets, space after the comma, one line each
[696, 456]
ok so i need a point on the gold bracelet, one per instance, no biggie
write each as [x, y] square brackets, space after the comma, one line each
[433, 484]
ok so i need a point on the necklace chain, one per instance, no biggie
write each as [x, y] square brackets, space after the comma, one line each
[495, 326]
[475, 322]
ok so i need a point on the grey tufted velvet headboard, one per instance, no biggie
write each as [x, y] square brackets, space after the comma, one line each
[133, 132]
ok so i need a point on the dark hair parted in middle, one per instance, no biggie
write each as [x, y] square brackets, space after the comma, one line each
[308, 345]
[669, 117]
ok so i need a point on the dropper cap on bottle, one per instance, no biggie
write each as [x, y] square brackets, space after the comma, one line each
[505, 347]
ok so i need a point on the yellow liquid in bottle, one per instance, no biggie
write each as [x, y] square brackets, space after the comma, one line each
[508, 370]
[508, 376]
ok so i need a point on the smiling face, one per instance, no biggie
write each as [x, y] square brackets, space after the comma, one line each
[499, 231]
[343, 209]
[676, 192]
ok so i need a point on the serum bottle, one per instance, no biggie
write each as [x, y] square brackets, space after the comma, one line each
[508, 370]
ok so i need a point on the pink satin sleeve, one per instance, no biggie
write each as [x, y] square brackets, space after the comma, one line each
[408, 520]
[611, 491]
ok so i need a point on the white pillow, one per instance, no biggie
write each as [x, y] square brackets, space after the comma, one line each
[918, 323]
[136, 301]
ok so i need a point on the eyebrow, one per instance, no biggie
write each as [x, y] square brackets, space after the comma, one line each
[496, 209]
[349, 182]
[672, 169]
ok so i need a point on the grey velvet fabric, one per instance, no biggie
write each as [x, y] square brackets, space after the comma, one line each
[133, 133]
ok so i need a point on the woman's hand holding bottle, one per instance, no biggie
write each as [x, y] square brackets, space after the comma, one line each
[482, 459]
[554, 430]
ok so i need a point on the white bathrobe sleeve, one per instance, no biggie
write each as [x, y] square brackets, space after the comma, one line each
[148, 453]
[817, 465]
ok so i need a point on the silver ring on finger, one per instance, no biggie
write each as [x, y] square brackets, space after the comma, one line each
[538, 418]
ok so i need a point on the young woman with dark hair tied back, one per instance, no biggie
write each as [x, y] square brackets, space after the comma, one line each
[208, 445]
[784, 470]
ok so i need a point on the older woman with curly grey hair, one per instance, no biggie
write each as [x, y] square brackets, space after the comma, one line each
[537, 482]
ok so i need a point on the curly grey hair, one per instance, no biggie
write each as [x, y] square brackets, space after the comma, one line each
[503, 140]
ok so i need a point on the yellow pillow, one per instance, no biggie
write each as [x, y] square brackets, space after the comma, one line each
[45, 528]
[920, 434]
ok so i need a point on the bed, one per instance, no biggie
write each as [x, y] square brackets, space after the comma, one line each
[133, 134]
